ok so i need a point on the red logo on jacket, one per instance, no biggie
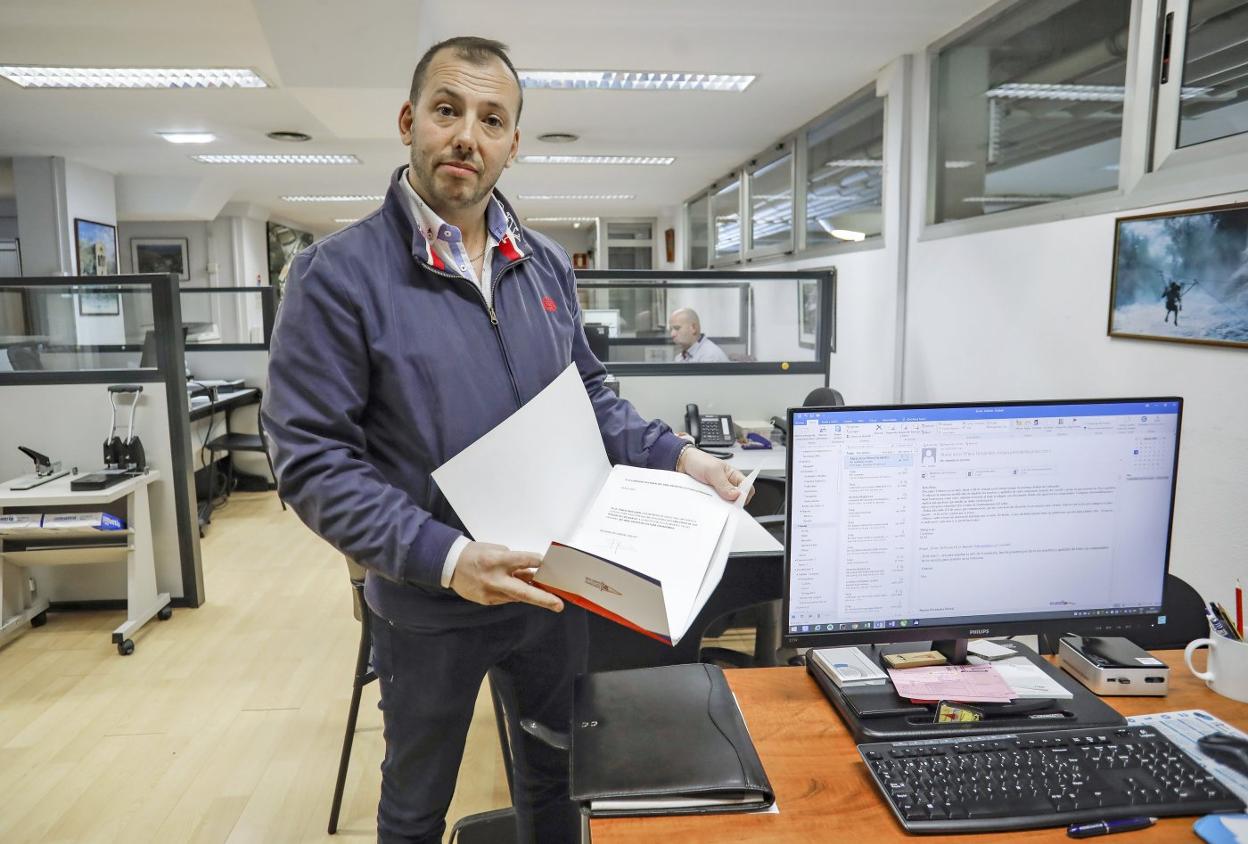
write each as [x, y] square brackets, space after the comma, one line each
[549, 304]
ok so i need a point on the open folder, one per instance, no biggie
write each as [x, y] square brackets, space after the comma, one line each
[642, 547]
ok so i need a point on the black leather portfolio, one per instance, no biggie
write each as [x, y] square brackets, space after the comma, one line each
[663, 741]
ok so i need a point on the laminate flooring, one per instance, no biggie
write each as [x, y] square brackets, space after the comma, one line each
[226, 723]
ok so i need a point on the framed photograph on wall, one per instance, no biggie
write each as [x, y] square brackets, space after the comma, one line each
[96, 247]
[807, 312]
[161, 255]
[98, 303]
[1182, 277]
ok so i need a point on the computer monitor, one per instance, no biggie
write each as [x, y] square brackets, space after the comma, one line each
[599, 339]
[943, 522]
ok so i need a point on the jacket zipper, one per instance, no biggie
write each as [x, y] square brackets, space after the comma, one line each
[489, 307]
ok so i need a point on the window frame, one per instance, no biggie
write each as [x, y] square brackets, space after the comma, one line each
[715, 188]
[775, 152]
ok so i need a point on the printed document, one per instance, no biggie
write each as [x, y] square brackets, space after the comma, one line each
[964, 683]
[643, 547]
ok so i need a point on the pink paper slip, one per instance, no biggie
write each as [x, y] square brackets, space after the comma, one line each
[965, 683]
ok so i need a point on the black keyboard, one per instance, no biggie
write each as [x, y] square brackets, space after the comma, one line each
[1020, 781]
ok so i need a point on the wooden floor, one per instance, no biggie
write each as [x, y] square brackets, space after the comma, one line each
[226, 723]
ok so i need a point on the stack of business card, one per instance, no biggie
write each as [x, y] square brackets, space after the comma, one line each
[848, 667]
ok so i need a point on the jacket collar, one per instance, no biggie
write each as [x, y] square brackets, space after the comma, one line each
[500, 218]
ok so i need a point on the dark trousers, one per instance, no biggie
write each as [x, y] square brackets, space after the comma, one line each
[429, 682]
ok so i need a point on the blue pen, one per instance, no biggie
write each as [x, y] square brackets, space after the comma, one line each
[1087, 830]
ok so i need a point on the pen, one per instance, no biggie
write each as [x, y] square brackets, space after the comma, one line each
[1227, 622]
[1239, 608]
[1087, 830]
[1215, 622]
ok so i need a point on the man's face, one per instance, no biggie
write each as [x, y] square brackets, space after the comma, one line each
[682, 330]
[462, 131]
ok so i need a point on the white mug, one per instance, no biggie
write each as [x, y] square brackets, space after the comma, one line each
[1227, 672]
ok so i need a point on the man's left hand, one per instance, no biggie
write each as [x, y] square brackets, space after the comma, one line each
[713, 471]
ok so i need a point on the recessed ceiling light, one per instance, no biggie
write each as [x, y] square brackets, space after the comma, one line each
[623, 80]
[33, 76]
[558, 137]
[289, 137]
[276, 159]
[959, 165]
[188, 137]
[560, 219]
[576, 196]
[334, 197]
[596, 159]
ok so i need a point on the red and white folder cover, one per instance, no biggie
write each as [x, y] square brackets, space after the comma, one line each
[643, 547]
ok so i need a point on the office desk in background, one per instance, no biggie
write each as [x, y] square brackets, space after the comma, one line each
[769, 461]
[823, 790]
[225, 403]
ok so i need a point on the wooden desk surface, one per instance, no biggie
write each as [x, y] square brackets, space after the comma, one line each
[823, 789]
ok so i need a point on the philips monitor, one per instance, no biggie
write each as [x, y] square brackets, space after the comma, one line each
[945, 522]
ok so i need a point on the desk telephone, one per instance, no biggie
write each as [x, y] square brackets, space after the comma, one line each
[711, 429]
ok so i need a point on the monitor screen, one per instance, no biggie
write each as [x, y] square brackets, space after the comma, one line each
[599, 340]
[960, 521]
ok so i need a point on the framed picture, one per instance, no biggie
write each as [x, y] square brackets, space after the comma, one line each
[1182, 277]
[98, 303]
[807, 312]
[284, 244]
[96, 246]
[161, 255]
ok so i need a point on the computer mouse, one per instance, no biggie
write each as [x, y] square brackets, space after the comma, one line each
[1226, 749]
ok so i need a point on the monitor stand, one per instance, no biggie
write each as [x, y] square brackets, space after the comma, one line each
[876, 713]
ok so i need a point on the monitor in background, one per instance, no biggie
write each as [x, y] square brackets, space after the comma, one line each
[599, 339]
[947, 522]
[148, 359]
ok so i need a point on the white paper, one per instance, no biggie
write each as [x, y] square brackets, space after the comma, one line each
[987, 649]
[1027, 679]
[527, 481]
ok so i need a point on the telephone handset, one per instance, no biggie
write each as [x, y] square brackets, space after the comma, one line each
[711, 429]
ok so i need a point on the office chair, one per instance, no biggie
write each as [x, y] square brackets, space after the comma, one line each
[24, 357]
[1181, 606]
[230, 442]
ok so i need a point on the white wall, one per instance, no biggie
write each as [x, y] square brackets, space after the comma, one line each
[1021, 314]
[90, 194]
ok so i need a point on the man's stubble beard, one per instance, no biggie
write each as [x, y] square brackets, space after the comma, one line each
[428, 181]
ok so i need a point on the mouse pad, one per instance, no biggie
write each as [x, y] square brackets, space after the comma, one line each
[1185, 728]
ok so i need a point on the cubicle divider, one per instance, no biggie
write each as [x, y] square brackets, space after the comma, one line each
[776, 332]
[66, 340]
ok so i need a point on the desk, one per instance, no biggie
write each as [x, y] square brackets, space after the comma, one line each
[823, 790]
[226, 403]
[769, 461]
[137, 551]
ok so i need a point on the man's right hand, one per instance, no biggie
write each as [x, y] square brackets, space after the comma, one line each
[493, 574]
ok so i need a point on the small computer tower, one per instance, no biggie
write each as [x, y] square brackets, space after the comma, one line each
[1112, 665]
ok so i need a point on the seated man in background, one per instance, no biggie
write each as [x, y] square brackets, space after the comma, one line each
[693, 346]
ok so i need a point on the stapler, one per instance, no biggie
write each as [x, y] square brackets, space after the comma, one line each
[45, 470]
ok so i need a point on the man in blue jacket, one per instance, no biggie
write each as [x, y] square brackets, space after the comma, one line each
[401, 340]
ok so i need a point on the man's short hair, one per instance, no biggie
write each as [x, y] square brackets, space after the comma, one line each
[472, 49]
[691, 313]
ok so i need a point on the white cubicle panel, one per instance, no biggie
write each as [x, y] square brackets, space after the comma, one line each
[745, 397]
[69, 422]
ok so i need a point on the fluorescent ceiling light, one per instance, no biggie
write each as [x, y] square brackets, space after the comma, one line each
[334, 197]
[958, 165]
[848, 234]
[31, 76]
[576, 196]
[985, 200]
[346, 219]
[276, 159]
[188, 137]
[560, 219]
[596, 159]
[622, 80]
[855, 162]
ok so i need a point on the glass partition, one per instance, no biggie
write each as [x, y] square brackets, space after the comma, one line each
[845, 173]
[771, 205]
[726, 208]
[1028, 107]
[731, 322]
[64, 325]
[1213, 102]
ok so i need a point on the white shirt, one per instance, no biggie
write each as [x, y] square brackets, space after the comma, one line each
[703, 351]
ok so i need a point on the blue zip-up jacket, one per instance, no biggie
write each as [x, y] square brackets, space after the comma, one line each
[384, 366]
